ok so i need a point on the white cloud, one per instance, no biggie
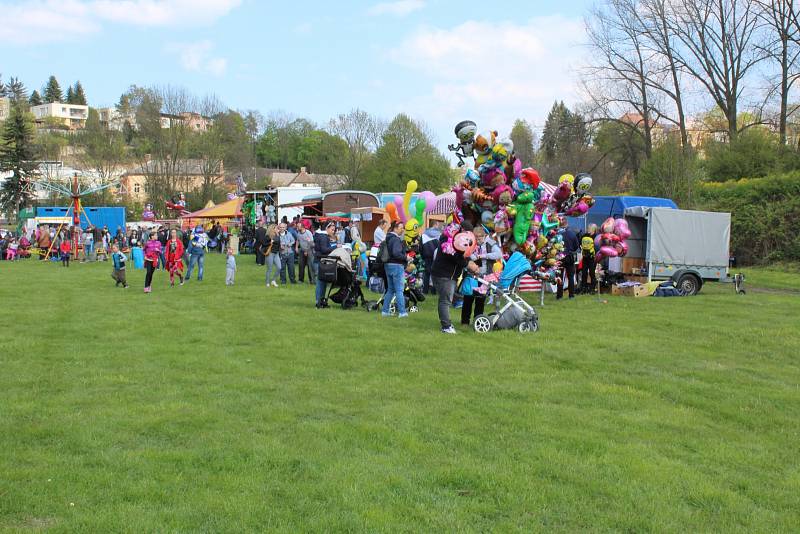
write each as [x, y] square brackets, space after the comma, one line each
[491, 73]
[197, 57]
[400, 8]
[43, 21]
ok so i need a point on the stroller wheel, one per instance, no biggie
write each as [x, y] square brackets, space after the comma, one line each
[482, 324]
[393, 308]
[528, 326]
[413, 308]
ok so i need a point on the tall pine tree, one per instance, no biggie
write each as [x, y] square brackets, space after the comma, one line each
[52, 91]
[17, 156]
[17, 91]
[563, 133]
[35, 99]
[70, 96]
[78, 95]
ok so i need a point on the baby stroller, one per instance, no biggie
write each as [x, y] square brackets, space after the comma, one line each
[511, 311]
[412, 291]
[337, 269]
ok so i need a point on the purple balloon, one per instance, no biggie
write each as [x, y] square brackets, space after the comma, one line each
[430, 200]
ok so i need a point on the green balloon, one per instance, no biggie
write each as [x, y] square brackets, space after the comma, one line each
[419, 207]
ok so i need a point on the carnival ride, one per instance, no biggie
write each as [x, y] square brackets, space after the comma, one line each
[76, 188]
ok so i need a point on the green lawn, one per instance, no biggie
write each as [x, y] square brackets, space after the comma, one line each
[784, 277]
[231, 409]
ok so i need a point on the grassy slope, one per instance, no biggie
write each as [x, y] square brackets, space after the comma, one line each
[230, 409]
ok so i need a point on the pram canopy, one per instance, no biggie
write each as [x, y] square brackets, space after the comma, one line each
[516, 265]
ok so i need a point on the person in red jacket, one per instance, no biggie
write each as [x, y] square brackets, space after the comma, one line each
[65, 248]
[174, 256]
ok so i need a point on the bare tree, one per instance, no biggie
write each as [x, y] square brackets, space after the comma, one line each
[624, 73]
[654, 15]
[717, 48]
[362, 133]
[782, 46]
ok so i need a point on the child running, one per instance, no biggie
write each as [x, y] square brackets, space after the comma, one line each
[152, 251]
[174, 258]
[230, 268]
[119, 260]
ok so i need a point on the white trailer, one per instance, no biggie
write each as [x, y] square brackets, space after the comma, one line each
[292, 194]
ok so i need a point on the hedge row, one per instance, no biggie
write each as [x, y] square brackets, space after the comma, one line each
[765, 215]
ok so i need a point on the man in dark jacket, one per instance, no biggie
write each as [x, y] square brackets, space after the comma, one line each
[446, 271]
[324, 244]
[430, 242]
[262, 242]
[395, 270]
[571, 247]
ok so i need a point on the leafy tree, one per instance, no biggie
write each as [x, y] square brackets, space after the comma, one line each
[78, 95]
[670, 172]
[322, 153]
[523, 138]
[753, 154]
[406, 153]
[623, 145]
[52, 91]
[35, 98]
[17, 157]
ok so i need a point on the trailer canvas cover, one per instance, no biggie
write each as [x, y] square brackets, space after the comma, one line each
[686, 237]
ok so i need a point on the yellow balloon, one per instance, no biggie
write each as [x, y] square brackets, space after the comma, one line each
[410, 188]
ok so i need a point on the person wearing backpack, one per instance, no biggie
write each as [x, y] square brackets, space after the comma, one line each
[430, 242]
[393, 255]
[324, 244]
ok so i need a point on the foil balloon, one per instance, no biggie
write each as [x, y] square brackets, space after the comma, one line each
[465, 242]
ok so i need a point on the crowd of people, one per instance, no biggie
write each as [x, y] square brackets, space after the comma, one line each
[291, 252]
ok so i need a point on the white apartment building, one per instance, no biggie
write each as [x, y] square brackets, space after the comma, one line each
[5, 108]
[72, 115]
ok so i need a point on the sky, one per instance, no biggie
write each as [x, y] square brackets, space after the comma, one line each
[440, 61]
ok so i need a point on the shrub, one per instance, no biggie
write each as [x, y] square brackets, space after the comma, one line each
[765, 215]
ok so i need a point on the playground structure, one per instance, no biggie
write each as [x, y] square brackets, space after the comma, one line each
[75, 190]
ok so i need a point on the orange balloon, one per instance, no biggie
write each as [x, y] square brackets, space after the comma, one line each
[391, 209]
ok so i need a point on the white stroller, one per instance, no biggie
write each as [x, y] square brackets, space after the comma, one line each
[511, 311]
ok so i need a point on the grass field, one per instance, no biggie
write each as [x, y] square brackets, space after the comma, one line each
[232, 409]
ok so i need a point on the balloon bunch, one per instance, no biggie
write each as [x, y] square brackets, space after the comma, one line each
[401, 209]
[510, 200]
[612, 239]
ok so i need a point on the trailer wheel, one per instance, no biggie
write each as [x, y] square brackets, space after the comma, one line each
[690, 284]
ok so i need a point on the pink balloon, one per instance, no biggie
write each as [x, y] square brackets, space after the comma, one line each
[622, 248]
[608, 226]
[611, 252]
[621, 228]
[398, 203]
[598, 241]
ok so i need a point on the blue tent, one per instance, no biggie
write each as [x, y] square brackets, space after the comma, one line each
[610, 206]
